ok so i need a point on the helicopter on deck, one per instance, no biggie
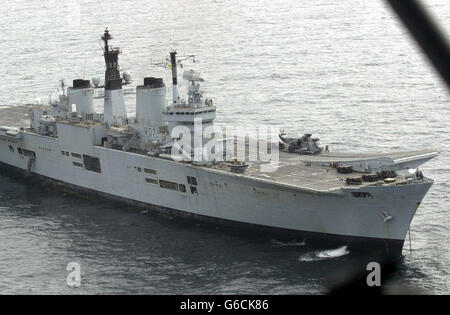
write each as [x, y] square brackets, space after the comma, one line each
[303, 145]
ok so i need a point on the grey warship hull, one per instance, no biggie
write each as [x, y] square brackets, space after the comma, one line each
[299, 200]
[368, 246]
[148, 161]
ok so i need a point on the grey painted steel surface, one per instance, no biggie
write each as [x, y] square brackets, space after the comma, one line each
[298, 196]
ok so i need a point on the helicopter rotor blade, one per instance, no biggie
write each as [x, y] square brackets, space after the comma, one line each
[426, 32]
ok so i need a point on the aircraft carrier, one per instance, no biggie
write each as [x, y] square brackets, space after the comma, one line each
[359, 200]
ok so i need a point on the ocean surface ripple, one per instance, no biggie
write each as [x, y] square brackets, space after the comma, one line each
[345, 71]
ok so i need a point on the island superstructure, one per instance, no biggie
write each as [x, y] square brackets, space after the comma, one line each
[359, 200]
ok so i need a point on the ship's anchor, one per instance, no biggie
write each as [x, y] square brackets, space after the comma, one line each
[386, 217]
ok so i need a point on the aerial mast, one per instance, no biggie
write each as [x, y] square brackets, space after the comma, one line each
[113, 80]
[115, 110]
[173, 62]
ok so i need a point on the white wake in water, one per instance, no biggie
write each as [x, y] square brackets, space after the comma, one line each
[333, 253]
[325, 254]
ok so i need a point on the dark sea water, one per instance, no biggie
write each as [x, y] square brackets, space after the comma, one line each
[345, 71]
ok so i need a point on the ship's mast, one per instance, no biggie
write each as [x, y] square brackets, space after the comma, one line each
[115, 110]
[175, 94]
[113, 81]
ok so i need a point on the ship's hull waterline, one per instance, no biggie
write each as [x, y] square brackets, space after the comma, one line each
[376, 246]
[333, 217]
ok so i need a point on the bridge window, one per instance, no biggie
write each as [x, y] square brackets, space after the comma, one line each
[92, 163]
[192, 180]
[168, 185]
[11, 148]
[151, 181]
[148, 171]
[77, 164]
[76, 155]
[182, 188]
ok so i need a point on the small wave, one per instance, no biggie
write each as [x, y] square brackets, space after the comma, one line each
[4, 208]
[286, 244]
[27, 206]
[325, 254]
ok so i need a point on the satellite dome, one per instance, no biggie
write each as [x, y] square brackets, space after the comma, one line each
[127, 77]
[96, 81]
